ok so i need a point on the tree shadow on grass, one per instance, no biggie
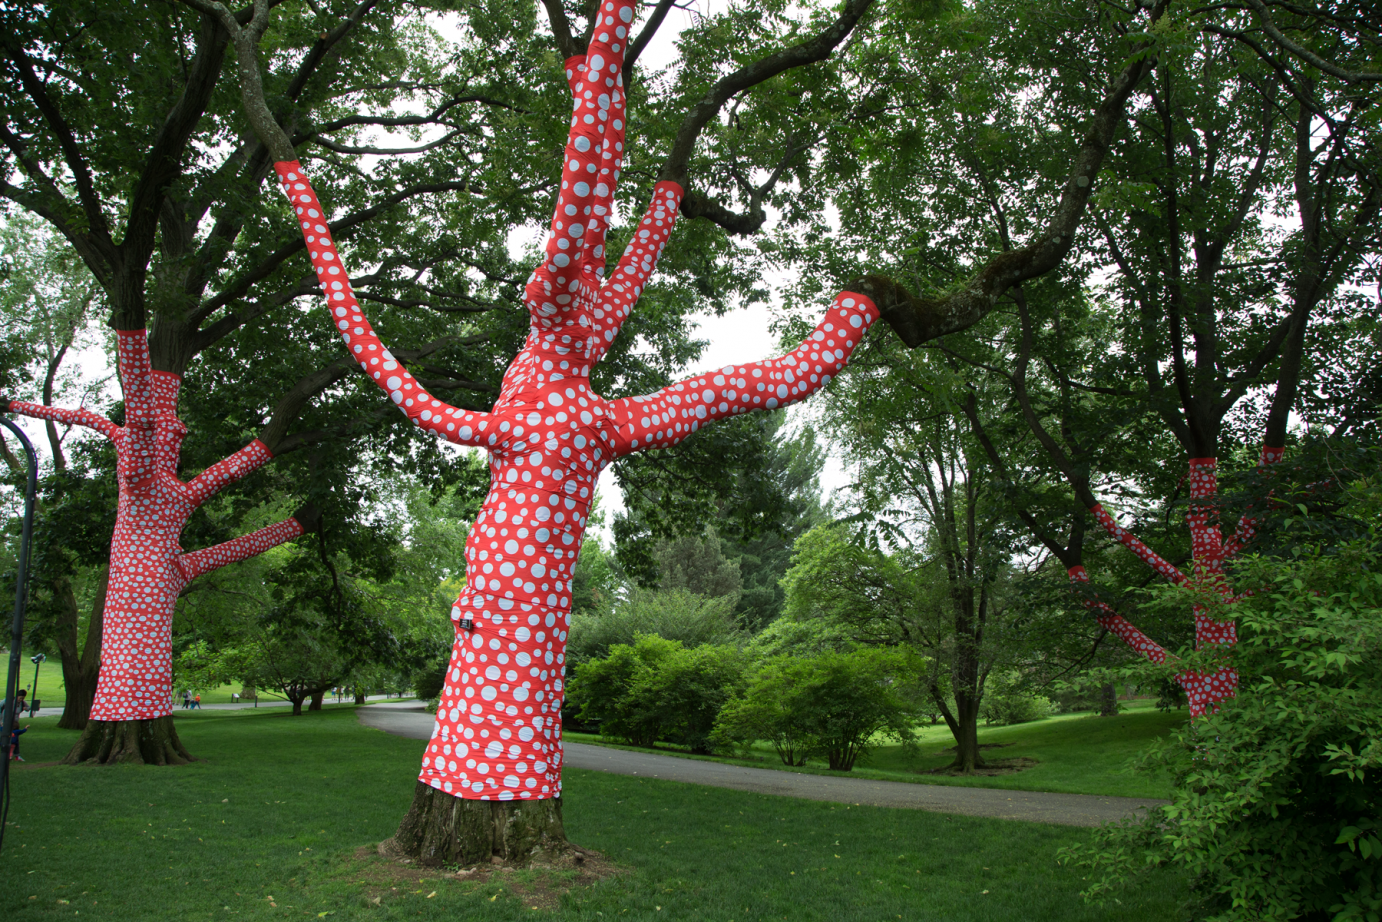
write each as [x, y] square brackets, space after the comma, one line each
[991, 768]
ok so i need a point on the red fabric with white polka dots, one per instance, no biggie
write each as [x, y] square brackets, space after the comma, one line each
[148, 569]
[1204, 691]
[498, 728]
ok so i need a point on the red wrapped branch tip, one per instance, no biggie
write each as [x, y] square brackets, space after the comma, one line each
[1147, 555]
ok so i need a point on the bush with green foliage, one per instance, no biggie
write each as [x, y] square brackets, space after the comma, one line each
[673, 614]
[1015, 705]
[789, 636]
[1277, 807]
[689, 688]
[657, 690]
[836, 705]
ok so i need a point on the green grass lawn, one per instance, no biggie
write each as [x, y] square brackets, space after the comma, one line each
[280, 806]
[1076, 754]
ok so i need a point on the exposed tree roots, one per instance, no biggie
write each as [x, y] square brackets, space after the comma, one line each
[444, 830]
[129, 742]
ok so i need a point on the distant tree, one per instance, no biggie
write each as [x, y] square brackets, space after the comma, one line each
[672, 614]
[697, 564]
[756, 487]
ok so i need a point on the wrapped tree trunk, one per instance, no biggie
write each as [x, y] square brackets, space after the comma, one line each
[491, 776]
[1203, 691]
[130, 718]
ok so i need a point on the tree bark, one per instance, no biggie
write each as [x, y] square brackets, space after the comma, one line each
[129, 742]
[297, 704]
[359, 697]
[963, 722]
[442, 829]
[80, 674]
[317, 697]
[1108, 700]
[966, 733]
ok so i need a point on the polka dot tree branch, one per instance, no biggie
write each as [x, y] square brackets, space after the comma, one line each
[498, 730]
[148, 569]
[1203, 691]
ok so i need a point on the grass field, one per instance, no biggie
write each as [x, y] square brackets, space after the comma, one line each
[280, 806]
[1076, 754]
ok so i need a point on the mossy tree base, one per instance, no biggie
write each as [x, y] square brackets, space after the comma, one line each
[441, 829]
[129, 742]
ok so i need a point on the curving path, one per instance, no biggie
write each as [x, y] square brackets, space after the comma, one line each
[409, 720]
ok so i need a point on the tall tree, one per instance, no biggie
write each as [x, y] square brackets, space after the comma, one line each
[1241, 213]
[490, 781]
[924, 488]
[759, 486]
[115, 134]
[47, 301]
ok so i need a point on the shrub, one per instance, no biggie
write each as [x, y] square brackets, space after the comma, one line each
[673, 614]
[836, 705]
[1277, 807]
[1007, 700]
[688, 689]
[656, 689]
[788, 636]
[601, 691]
[1014, 707]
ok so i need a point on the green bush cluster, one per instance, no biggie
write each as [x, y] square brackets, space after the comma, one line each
[676, 614]
[1277, 811]
[834, 705]
[1002, 707]
[837, 706]
[657, 690]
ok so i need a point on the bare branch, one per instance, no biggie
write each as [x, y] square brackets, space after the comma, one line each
[677, 165]
[270, 264]
[650, 28]
[164, 162]
[1305, 54]
[274, 435]
[382, 151]
[67, 141]
[561, 30]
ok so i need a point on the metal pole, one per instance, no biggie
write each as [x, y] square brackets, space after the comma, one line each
[37, 659]
[21, 592]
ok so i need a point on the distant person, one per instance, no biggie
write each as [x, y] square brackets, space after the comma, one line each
[20, 703]
[197, 703]
[14, 742]
[186, 699]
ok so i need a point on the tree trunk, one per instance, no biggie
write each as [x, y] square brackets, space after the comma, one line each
[359, 697]
[966, 733]
[963, 722]
[297, 704]
[444, 830]
[129, 742]
[317, 697]
[80, 674]
[1108, 700]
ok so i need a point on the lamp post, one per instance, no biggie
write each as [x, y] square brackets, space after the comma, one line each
[37, 659]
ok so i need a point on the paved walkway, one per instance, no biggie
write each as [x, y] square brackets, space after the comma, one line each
[56, 711]
[408, 720]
